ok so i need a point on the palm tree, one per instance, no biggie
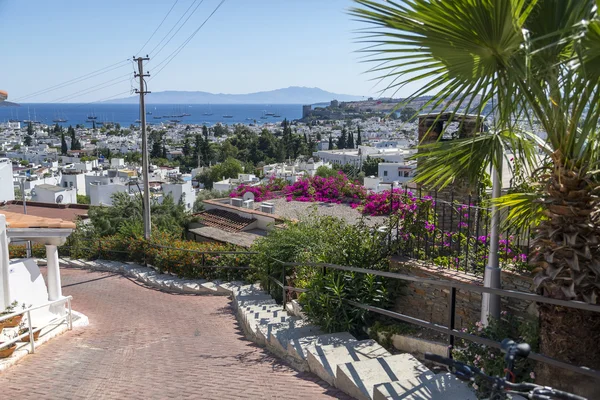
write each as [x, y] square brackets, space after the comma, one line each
[521, 63]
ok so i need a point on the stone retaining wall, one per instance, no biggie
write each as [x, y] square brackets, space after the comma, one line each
[431, 303]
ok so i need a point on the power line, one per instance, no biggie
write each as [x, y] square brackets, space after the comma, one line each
[79, 79]
[174, 26]
[189, 39]
[158, 27]
[87, 90]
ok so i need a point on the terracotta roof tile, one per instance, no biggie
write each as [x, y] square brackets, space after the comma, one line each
[15, 220]
[224, 220]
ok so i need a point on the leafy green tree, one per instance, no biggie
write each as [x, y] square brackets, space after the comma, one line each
[187, 149]
[523, 61]
[325, 172]
[83, 199]
[230, 168]
[408, 114]
[167, 216]
[371, 165]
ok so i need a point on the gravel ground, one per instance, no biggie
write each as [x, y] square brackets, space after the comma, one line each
[299, 209]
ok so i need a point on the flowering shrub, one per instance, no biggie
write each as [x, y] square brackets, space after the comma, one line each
[20, 250]
[261, 192]
[334, 189]
[491, 360]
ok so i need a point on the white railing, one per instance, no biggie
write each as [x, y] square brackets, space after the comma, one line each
[67, 317]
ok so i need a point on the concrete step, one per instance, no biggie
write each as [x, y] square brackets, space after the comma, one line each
[247, 290]
[297, 347]
[241, 300]
[231, 286]
[359, 378]
[252, 313]
[437, 387]
[266, 328]
[220, 289]
[323, 360]
[210, 287]
[250, 302]
[260, 325]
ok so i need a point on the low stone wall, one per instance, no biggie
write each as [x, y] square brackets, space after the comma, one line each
[431, 303]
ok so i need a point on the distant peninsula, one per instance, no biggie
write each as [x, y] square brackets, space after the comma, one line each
[290, 95]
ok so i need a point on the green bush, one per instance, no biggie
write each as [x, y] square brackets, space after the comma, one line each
[166, 252]
[491, 360]
[327, 240]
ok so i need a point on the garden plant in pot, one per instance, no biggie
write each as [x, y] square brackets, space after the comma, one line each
[13, 321]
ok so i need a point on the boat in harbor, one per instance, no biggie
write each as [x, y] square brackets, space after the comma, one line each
[270, 114]
[157, 117]
[227, 116]
[176, 121]
[138, 121]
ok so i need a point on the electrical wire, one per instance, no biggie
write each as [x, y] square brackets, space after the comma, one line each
[87, 90]
[73, 81]
[174, 26]
[182, 46]
[158, 27]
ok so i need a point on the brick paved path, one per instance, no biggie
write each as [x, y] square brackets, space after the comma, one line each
[145, 344]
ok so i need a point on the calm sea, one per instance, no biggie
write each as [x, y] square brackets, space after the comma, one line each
[127, 114]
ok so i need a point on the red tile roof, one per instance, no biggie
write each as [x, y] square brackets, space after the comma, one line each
[224, 220]
[16, 220]
[71, 213]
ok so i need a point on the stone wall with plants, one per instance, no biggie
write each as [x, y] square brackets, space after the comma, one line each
[431, 303]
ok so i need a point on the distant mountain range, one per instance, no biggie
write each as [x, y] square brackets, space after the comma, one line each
[290, 95]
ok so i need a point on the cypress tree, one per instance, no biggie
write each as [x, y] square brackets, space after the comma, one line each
[330, 142]
[63, 144]
[358, 137]
[343, 140]
[350, 141]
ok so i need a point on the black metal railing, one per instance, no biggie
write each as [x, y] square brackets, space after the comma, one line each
[448, 329]
[449, 231]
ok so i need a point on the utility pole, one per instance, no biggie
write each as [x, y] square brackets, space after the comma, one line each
[145, 164]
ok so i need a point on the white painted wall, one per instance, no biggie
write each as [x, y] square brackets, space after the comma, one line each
[181, 192]
[101, 194]
[395, 172]
[76, 181]
[7, 189]
[69, 195]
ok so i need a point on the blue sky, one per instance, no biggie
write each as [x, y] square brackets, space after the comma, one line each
[247, 46]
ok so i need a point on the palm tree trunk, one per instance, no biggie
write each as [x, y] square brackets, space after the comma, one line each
[567, 248]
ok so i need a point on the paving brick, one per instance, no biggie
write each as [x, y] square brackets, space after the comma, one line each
[143, 343]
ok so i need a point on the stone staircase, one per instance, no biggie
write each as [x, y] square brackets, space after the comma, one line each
[361, 368]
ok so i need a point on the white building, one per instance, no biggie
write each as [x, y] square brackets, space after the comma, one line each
[231, 183]
[101, 194]
[396, 172]
[54, 194]
[7, 187]
[74, 180]
[357, 156]
[181, 192]
[117, 162]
